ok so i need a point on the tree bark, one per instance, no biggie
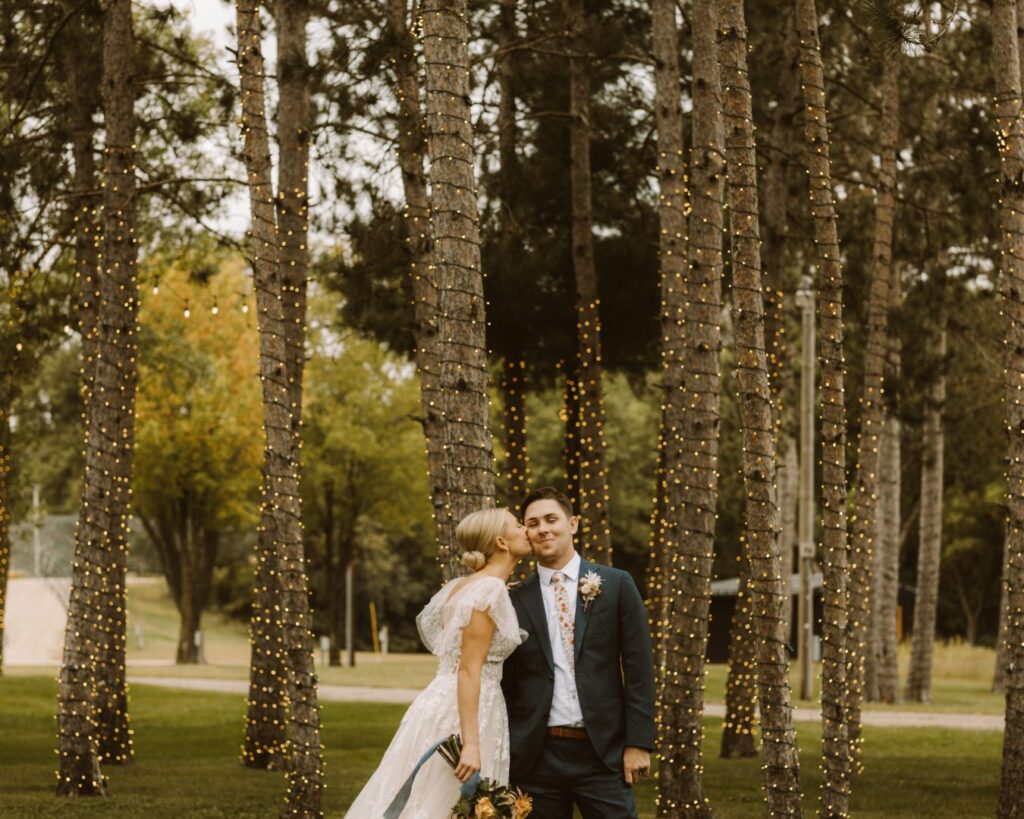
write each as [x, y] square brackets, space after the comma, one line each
[672, 203]
[594, 533]
[865, 495]
[1006, 69]
[571, 414]
[788, 494]
[691, 446]
[266, 744]
[738, 741]
[888, 670]
[412, 147]
[454, 215]
[293, 135]
[282, 501]
[929, 556]
[835, 736]
[92, 714]
[768, 600]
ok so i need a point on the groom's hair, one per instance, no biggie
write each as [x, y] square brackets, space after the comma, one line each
[546, 493]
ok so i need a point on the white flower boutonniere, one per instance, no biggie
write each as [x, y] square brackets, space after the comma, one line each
[590, 587]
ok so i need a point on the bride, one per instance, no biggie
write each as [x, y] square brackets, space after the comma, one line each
[471, 626]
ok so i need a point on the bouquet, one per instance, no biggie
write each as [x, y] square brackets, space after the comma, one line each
[488, 799]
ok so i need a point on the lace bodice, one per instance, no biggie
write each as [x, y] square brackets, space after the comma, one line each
[442, 620]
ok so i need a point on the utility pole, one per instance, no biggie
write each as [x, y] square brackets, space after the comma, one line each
[805, 601]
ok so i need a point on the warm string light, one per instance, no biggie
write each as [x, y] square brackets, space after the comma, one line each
[761, 584]
[836, 760]
[282, 722]
[865, 496]
[690, 415]
[461, 321]
[411, 143]
[92, 717]
[1009, 132]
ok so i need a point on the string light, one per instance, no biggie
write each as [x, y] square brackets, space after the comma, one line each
[461, 323]
[92, 714]
[865, 497]
[282, 720]
[1010, 142]
[836, 761]
[691, 343]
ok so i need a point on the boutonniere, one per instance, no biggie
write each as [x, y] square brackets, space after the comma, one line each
[590, 587]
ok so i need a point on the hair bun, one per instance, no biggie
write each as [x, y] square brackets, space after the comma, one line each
[473, 560]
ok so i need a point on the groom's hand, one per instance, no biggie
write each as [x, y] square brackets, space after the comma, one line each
[636, 762]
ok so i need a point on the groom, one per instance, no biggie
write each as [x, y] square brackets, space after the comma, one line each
[580, 688]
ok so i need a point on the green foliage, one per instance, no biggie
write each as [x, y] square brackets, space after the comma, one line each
[364, 472]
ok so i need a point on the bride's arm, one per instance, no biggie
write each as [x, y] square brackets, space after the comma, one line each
[476, 641]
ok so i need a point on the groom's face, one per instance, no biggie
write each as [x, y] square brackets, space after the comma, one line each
[550, 531]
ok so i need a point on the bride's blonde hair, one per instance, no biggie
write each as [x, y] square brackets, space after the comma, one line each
[477, 534]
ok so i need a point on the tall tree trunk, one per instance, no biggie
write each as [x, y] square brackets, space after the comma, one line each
[92, 714]
[738, 739]
[281, 330]
[332, 577]
[888, 586]
[293, 135]
[929, 555]
[514, 374]
[835, 736]
[691, 446]
[191, 613]
[672, 201]
[594, 534]
[305, 780]
[454, 215]
[513, 389]
[1010, 136]
[874, 637]
[767, 598]
[865, 495]
[266, 744]
[412, 147]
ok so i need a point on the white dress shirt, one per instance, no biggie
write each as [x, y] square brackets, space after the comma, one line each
[565, 705]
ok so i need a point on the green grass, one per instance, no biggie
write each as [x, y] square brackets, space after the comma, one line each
[187, 747]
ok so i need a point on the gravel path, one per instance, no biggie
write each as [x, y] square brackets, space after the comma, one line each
[347, 693]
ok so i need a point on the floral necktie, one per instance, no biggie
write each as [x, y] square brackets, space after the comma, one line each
[565, 617]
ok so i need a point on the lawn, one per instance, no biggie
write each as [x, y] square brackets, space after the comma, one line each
[962, 673]
[187, 746]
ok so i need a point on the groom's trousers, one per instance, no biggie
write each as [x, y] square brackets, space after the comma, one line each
[569, 771]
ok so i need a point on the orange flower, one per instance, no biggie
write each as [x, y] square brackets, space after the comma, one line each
[485, 809]
[522, 806]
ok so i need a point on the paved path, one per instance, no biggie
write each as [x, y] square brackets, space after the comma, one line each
[349, 693]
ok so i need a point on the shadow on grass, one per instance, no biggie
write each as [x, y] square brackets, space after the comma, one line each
[187, 747]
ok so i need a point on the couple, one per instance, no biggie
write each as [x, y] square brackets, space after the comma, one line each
[569, 717]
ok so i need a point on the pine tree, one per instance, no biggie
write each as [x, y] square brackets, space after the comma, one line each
[1010, 140]
[691, 448]
[768, 598]
[835, 737]
[469, 459]
[92, 712]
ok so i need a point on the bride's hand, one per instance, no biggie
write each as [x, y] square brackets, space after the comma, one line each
[469, 763]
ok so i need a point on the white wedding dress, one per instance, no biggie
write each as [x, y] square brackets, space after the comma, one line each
[434, 714]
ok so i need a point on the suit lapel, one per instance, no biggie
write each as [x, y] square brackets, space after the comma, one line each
[533, 602]
[582, 615]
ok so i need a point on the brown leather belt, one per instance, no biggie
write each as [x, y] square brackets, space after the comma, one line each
[565, 732]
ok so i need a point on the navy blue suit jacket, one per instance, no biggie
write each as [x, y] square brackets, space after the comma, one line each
[614, 671]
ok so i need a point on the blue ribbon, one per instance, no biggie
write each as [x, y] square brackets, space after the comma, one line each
[468, 788]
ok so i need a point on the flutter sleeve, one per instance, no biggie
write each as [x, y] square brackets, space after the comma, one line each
[429, 622]
[490, 596]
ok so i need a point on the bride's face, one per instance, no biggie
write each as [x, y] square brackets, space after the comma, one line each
[515, 536]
